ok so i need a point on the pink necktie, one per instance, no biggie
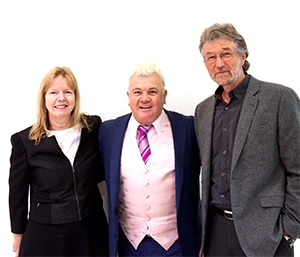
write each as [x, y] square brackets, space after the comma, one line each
[143, 143]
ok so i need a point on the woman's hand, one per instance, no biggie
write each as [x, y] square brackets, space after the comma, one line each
[17, 238]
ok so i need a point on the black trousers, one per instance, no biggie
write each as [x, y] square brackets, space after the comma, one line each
[222, 240]
[88, 237]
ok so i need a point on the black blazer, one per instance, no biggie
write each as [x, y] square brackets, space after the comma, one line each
[59, 192]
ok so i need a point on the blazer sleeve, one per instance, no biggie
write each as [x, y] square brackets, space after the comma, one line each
[289, 145]
[95, 122]
[19, 178]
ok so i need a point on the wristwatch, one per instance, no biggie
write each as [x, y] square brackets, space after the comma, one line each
[290, 241]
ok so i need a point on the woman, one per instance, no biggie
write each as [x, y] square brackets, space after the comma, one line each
[56, 163]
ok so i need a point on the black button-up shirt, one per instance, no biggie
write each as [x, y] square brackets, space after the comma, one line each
[225, 123]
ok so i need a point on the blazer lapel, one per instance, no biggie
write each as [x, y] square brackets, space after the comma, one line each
[179, 137]
[204, 134]
[246, 117]
[115, 158]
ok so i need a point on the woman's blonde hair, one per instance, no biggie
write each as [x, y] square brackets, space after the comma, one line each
[41, 126]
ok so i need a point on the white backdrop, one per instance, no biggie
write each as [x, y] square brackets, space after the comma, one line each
[101, 41]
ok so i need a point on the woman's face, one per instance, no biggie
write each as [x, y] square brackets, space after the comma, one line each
[59, 100]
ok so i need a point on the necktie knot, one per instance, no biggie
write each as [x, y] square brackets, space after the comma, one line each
[143, 129]
[143, 142]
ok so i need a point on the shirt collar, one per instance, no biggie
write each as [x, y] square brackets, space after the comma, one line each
[157, 124]
[238, 92]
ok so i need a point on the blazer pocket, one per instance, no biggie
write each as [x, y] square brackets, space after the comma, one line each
[260, 129]
[272, 201]
[40, 201]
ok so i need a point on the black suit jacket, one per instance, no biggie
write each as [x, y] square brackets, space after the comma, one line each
[59, 192]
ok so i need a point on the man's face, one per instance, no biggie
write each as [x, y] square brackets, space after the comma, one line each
[224, 64]
[146, 97]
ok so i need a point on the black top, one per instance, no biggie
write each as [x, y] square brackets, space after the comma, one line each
[226, 118]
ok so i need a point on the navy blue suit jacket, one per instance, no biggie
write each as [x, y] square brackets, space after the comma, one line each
[187, 169]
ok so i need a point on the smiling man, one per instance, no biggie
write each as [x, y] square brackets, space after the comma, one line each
[151, 163]
[249, 140]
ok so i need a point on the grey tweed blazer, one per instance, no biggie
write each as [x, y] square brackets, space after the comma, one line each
[265, 172]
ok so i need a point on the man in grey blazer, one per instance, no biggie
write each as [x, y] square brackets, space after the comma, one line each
[248, 134]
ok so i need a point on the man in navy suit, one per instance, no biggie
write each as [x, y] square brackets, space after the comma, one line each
[153, 205]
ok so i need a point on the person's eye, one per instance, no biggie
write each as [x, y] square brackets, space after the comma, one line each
[136, 92]
[211, 58]
[69, 92]
[227, 55]
[153, 92]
